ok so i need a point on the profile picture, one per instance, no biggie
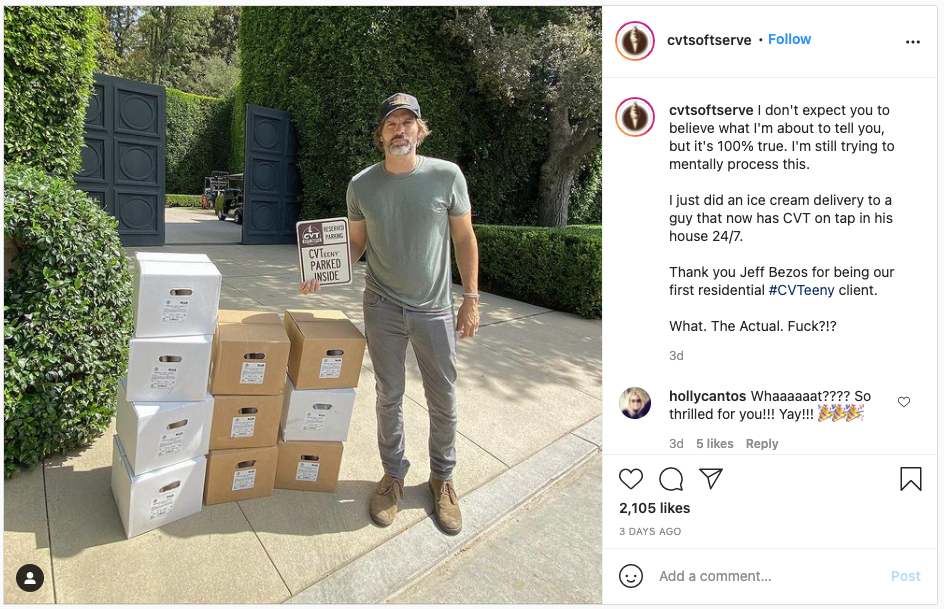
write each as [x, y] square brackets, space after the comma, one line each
[634, 40]
[635, 402]
[634, 116]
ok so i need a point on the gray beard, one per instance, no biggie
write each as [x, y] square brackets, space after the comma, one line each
[402, 149]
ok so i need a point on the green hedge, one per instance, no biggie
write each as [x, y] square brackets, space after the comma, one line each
[183, 201]
[67, 318]
[198, 135]
[332, 66]
[238, 130]
[49, 56]
[557, 268]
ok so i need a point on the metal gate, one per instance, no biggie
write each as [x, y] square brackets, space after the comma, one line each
[272, 181]
[123, 156]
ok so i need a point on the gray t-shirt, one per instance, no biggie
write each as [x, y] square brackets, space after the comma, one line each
[408, 239]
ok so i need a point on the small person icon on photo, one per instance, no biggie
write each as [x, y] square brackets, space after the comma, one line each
[635, 403]
[29, 578]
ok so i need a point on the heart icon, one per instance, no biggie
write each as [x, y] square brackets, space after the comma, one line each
[630, 477]
[904, 401]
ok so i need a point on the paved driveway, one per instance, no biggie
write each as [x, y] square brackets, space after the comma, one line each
[189, 226]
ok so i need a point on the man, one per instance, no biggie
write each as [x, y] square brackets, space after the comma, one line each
[403, 211]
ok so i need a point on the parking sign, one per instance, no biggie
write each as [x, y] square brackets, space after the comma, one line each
[324, 251]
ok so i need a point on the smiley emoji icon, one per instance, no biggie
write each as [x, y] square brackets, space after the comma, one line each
[630, 576]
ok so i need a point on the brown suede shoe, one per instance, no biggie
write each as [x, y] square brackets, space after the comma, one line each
[386, 500]
[446, 505]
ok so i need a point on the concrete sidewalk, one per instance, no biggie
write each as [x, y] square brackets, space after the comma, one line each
[529, 407]
[547, 552]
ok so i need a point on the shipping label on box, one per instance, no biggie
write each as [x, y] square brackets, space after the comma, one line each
[170, 443]
[330, 368]
[175, 310]
[314, 420]
[307, 472]
[252, 373]
[243, 427]
[163, 378]
[324, 251]
[243, 479]
[163, 504]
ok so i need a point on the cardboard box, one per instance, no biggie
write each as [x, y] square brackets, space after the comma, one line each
[316, 415]
[169, 369]
[309, 466]
[158, 434]
[175, 295]
[242, 473]
[250, 354]
[152, 499]
[245, 421]
[327, 349]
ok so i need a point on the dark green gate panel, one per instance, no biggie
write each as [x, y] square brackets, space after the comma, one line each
[272, 184]
[123, 156]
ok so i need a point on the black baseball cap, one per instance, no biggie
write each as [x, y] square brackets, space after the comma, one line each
[399, 101]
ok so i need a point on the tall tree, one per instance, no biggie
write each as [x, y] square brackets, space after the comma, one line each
[557, 67]
[169, 40]
[224, 31]
[122, 21]
[106, 52]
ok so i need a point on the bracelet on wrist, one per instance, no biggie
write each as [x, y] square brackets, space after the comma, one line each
[471, 295]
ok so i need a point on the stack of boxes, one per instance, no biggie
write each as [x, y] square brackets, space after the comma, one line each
[164, 411]
[262, 429]
[327, 351]
[250, 355]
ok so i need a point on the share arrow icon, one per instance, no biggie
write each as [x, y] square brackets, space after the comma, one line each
[712, 475]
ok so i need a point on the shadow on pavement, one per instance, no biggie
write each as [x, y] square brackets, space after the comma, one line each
[82, 504]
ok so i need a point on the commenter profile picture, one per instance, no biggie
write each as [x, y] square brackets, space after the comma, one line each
[634, 40]
[634, 116]
[635, 402]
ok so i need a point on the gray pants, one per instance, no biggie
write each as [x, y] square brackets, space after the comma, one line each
[389, 328]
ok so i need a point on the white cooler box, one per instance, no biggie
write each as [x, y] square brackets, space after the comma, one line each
[316, 415]
[169, 369]
[175, 295]
[151, 500]
[158, 434]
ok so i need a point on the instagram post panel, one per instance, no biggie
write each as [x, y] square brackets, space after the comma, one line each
[304, 303]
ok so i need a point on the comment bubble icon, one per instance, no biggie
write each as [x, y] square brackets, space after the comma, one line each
[671, 479]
